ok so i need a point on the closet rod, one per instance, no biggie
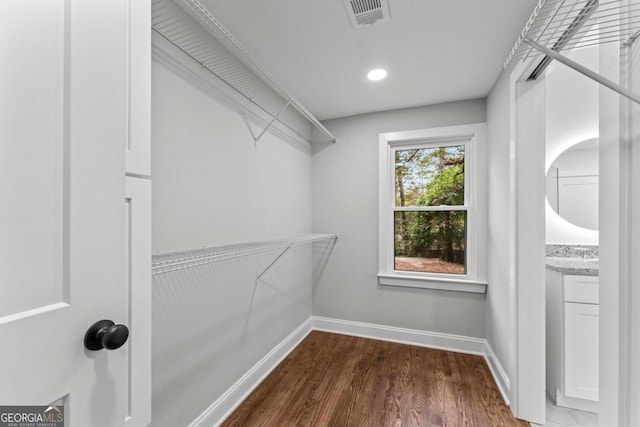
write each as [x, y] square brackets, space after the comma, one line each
[165, 263]
[585, 71]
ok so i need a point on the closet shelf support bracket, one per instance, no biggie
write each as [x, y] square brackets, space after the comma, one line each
[259, 276]
[584, 70]
[273, 120]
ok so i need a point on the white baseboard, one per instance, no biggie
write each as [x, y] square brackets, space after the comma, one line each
[576, 403]
[437, 340]
[223, 407]
[229, 401]
[499, 374]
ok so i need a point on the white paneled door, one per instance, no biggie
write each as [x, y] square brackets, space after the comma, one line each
[66, 215]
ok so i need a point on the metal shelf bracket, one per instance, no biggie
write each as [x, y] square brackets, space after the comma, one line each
[259, 276]
[190, 27]
[257, 138]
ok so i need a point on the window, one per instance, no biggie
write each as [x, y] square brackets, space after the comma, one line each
[430, 221]
[430, 210]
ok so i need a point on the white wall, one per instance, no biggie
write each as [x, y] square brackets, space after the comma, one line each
[211, 324]
[583, 159]
[561, 131]
[529, 253]
[620, 240]
[501, 290]
[632, 316]
[345, 200]
[516, 239]
[571, 116]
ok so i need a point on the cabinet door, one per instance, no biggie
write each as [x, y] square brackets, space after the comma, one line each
[581, 350]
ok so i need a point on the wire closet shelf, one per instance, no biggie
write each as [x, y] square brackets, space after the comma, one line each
[165, 263]
[189, 26]
[561, 25]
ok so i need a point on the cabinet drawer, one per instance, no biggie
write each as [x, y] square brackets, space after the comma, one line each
[584, 289]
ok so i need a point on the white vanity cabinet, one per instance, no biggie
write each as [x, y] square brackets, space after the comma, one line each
[572, 340]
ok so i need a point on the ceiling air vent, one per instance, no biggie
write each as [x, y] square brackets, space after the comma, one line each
[367, 12]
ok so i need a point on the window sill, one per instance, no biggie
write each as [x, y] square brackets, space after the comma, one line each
[443, 284]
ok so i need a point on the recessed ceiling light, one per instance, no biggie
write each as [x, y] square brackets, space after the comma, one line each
[377, 74]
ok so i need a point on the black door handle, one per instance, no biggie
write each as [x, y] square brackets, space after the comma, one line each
[105, 334]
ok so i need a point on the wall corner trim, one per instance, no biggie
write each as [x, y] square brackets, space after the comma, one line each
[232, 398]
[219, 410]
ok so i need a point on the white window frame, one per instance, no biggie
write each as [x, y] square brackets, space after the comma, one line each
[473, 137]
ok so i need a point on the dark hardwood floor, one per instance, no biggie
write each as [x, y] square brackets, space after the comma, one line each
[338, 380]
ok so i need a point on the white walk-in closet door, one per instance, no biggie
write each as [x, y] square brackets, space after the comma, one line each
[65, 248]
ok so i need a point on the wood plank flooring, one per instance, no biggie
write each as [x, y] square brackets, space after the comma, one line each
[338, 380]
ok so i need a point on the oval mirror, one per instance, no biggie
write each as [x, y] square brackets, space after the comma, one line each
[572, 184]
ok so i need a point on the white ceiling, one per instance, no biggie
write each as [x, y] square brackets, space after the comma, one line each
[434, 50]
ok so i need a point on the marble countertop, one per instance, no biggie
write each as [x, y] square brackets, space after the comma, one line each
[571, 265]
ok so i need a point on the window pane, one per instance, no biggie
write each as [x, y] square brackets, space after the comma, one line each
[432, 242]
[430, 176]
